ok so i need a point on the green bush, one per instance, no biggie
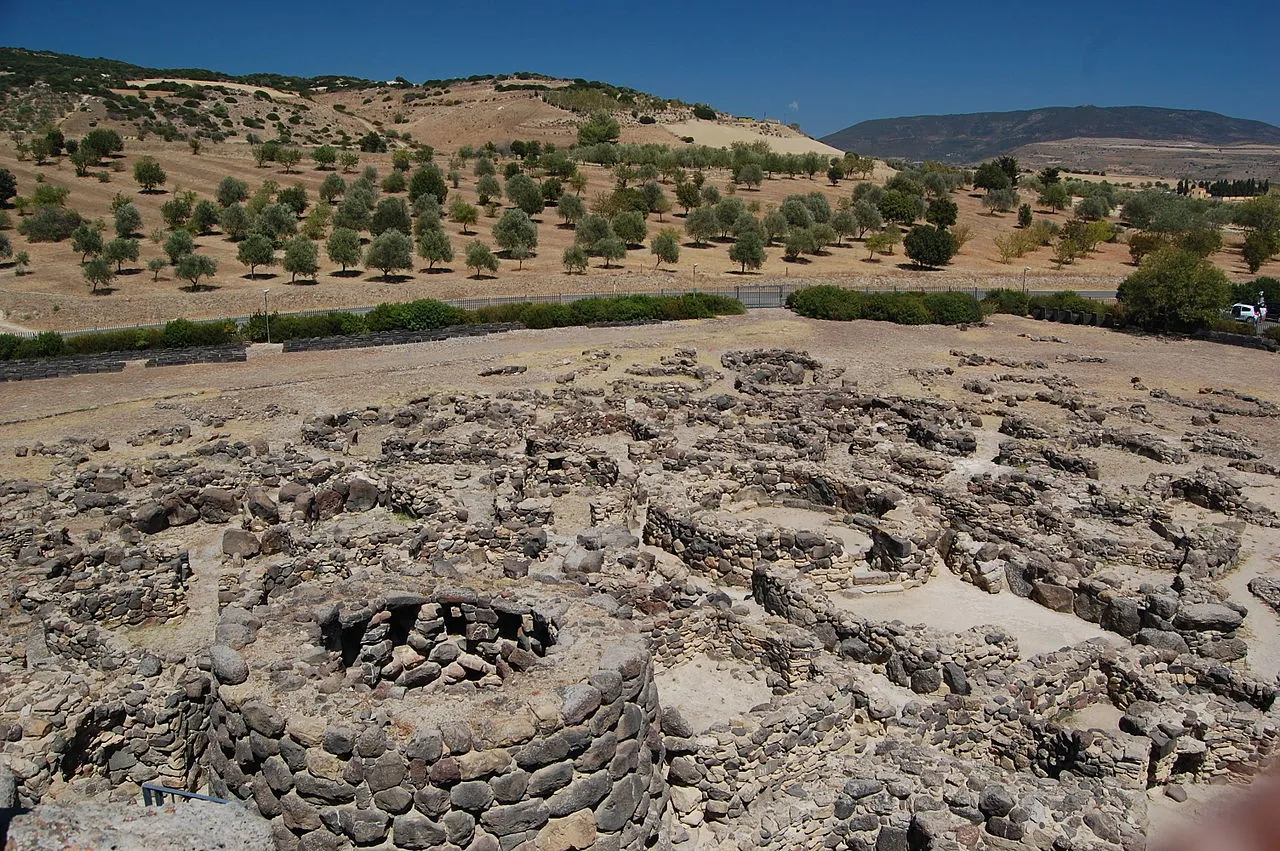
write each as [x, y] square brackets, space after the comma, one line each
[497, 313]
[46, 344]
[333, 324]
[1272, 333]
[953, 308]
[828, 302]
[1230, 326]
[420, 315]
[1067, 300]
[1015, 302]
[8, 345]
[899, 308]
[701, 306]
[115, 341]
[547, 316]
[49, 224]
[424, 314]
[183, 333]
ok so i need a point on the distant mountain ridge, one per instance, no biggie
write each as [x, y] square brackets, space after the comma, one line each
[977, 136]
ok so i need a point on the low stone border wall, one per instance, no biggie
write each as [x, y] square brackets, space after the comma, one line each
[395, 338]
[233, 353]
[35, 370]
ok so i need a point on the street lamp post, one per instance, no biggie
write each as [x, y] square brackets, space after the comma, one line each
[266, 313]
[1025, 270]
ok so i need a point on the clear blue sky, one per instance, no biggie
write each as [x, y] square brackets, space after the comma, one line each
[825, 64]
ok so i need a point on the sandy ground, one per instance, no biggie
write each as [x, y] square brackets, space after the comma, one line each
[721, 134]
[710, 691]
[242, 87]
[948, 603]
[1262, 628]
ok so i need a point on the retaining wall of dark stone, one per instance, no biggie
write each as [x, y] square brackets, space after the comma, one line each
[35, 370]
[396, 338]
[232, 353]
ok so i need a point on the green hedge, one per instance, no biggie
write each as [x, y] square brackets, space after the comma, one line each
[1070, 300]
[1066, 300]
[421, 315]
[1015, 302]
[1230, 326]
[828, 302]
[590, 311]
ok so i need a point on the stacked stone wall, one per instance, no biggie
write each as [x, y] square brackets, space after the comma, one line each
[588, 773]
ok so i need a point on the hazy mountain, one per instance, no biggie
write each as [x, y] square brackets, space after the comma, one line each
[978, 136]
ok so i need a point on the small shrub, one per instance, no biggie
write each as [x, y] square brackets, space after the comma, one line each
[46, 344]
[547, 316]
[418, 315]
[1230, 326]
[183, 333]
[899, 308]
[829, 302]
[1067, 300]
[953, 308]
[826, 302]
[1005, 300]
[8, 345]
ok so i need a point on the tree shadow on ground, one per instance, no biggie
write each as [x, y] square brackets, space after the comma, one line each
[346, 273]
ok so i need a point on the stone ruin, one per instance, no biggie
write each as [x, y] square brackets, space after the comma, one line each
[460, 622]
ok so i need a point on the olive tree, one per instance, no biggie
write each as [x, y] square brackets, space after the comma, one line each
[390, 251]
[148, 173]
[516, 234]
[481, 258]
[434, 247]
[666, 247]
[300, 258]
[343, 247]
[193, 267]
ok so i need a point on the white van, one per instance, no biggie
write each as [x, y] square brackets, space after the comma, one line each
[1243, 313]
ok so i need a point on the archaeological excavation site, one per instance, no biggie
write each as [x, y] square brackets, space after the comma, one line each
[756, 582]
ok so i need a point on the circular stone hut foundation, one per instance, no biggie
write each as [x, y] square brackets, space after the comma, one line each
[448, 719]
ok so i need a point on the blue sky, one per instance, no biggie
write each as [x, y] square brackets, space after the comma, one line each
[823, 64]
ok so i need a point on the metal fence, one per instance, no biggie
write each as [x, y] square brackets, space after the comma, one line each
[156, 795]
[753, 297]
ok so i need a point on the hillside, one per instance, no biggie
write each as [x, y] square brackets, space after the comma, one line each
[973, 137]
[39, 88]
[376, 125]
